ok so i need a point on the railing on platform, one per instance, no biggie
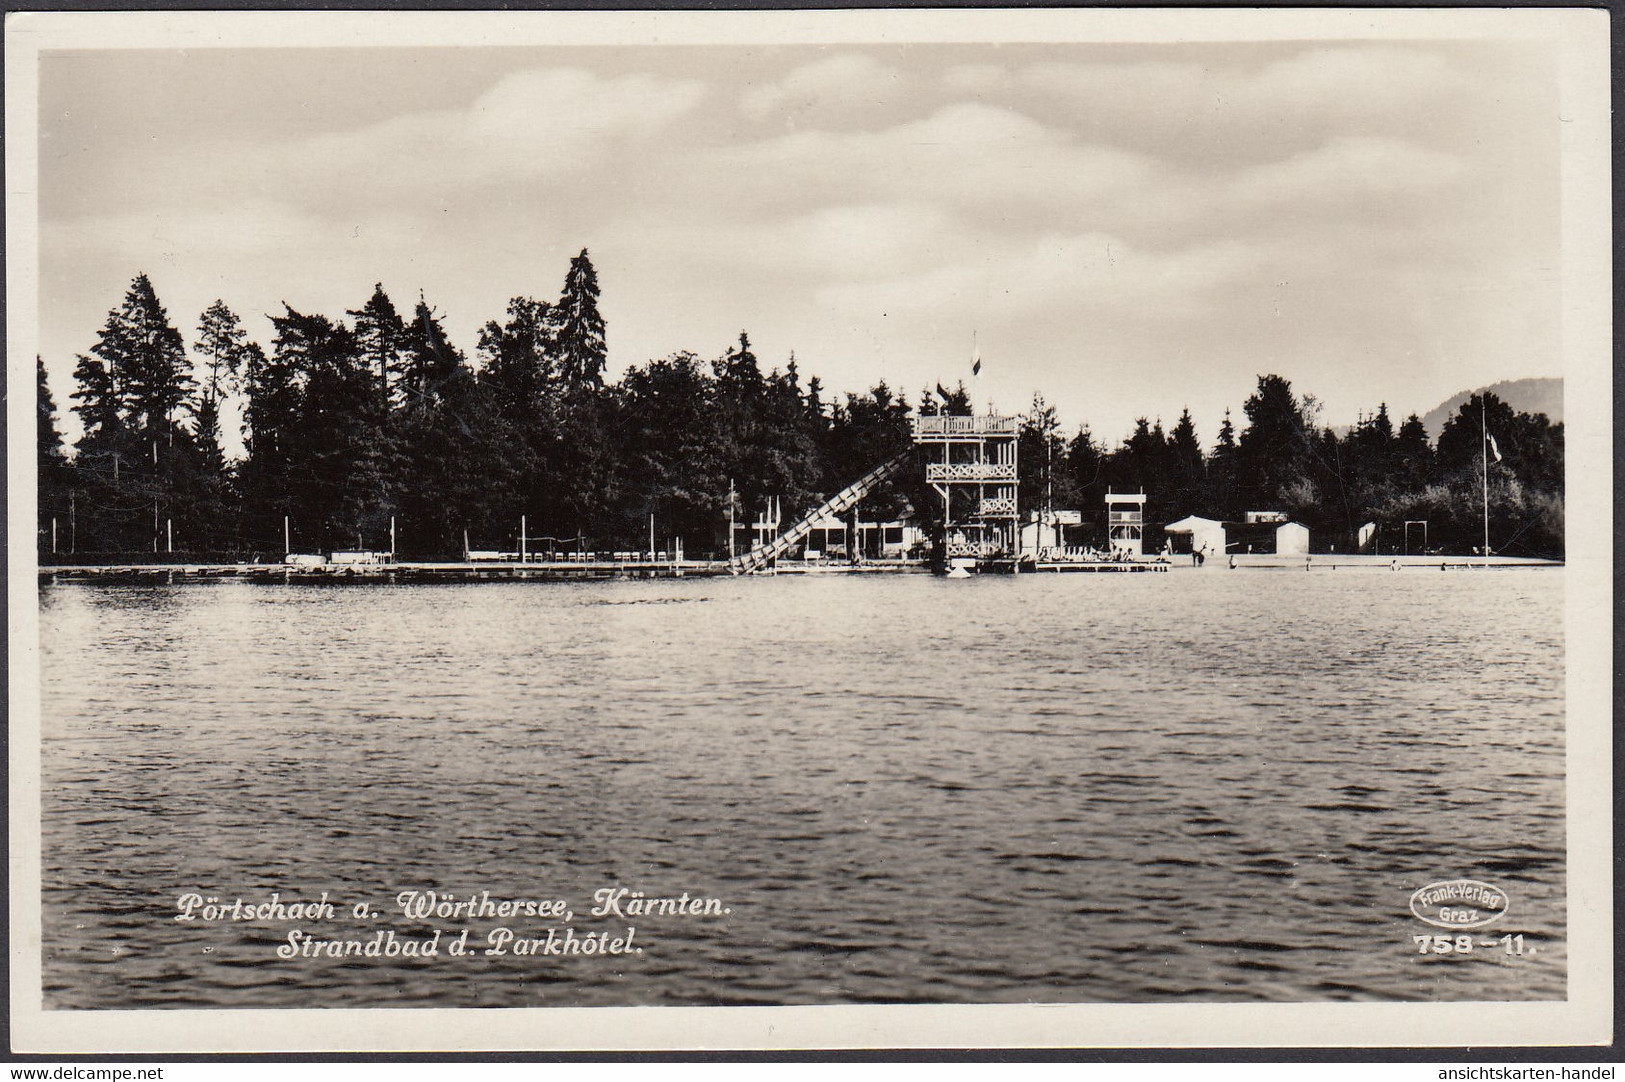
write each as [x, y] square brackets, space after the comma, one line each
[977, 549]
[944, 425]
[998, 507]
[936, 472]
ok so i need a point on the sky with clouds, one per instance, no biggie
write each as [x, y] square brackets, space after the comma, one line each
[1130, 229]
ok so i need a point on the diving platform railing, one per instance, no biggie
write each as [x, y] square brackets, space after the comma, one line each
[948, 427]
[939, 472]
[997, 507]
[846, 499]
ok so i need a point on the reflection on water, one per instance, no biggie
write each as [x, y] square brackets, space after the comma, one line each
[1211, 785]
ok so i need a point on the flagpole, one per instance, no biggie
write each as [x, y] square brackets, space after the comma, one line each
[1484, 451]
[976, 372]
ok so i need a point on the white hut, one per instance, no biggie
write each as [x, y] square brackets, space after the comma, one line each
[1194, 533]
[1292, 539]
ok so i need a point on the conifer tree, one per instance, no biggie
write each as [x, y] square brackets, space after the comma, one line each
[381, 345]
[51, 469]
[1187, 450]
[50, 440]
[670, 458]
[1273, 454]
[342, 486]
[1413, 452]
[1041, 453]
[147, 358]
[1189, 469]
[1086, 472]
[97, 398]
[146, 374]
[579, 332]
[221, 343]
[518, 362]
[463, 459]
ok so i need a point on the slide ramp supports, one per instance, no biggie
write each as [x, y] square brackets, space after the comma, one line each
[846, 499]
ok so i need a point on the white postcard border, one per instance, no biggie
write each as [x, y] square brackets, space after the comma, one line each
[1581, 38]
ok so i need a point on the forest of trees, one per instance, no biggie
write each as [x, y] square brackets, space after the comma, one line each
[1283, 459]
[352, 423]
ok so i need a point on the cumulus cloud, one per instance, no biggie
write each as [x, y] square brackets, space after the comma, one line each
[1238, 111]
[1084, 275]
[542, 122]
[1222, 208]
[963, 155]
[1350, 170]
[835, 88]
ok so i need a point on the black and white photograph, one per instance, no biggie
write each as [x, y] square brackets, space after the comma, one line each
[843, 529]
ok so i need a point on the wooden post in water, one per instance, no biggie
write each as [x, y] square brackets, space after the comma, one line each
[465, 546]
[53, 535]
[169, 535]
[391, 538]
[287, 537]
[521, 538]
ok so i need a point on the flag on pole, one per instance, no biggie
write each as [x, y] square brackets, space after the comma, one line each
[976, 366]
[942, 394]
[1494, 450]
[976, 355]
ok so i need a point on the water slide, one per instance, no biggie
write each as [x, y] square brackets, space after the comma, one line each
[761, 555]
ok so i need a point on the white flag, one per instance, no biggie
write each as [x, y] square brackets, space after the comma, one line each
[1494, 450]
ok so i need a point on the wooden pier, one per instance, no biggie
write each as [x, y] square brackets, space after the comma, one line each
[602, 570]
[410, 572]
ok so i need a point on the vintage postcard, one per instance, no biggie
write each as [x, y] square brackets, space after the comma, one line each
[993, 528]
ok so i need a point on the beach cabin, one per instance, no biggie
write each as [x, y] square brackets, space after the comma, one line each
[1038, 536]
[832, 537]
[1194, 533]
[1292, 539]
[826, 538]
[890, 540]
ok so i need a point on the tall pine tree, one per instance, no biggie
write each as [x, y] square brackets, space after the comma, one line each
[579, 327]
[147, 358]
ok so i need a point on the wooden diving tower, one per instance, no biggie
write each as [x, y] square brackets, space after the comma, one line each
[971, 463]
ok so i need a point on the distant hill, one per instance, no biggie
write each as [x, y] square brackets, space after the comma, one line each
[1524, 395]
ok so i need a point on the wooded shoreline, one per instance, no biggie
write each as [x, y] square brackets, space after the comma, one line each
[378, 433]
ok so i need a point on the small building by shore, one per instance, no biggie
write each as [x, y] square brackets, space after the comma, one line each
[1263, 532]
[1194, 533]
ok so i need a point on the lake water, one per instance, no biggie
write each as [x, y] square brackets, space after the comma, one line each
[1215, 785]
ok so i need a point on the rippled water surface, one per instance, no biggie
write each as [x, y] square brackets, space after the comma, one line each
[1212, 785]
